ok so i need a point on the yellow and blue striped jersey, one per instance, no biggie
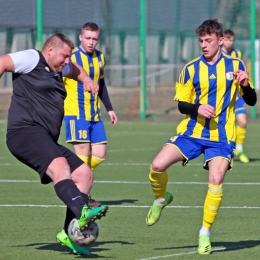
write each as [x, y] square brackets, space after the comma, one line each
[203, 83]
[78, 103]
[234, 53]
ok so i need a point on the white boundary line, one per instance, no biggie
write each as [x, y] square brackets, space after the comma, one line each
[195, 252]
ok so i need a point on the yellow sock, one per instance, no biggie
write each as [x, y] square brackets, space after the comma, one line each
[241, 135]
[212, 204]
[158, 181]
[94, 161]
[84, 158]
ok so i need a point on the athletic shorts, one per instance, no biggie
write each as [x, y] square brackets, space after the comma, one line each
[192, 148]
[84, 131]
[34, 147]
[240, 106]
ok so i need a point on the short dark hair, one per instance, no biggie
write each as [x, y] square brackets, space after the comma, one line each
[229, 33]
[90, 26]
[57, 40]
[210, 26]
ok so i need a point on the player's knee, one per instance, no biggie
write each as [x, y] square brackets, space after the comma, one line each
[82, 174]
[216, 179]
[157, 166]
[58, 169]
[242, 122]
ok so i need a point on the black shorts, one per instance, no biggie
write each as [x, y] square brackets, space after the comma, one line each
[34, 147]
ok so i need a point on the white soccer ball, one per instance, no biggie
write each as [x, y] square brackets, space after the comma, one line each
[84, 237]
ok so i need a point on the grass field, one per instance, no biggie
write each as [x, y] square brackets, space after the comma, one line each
[31, 213]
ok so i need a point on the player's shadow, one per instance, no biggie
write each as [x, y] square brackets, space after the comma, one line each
[119, 202]
[93, 248]
[222, 246]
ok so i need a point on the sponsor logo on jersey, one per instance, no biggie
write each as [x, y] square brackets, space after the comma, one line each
[229, 76]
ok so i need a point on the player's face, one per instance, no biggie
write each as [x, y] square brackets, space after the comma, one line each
[59, 57]
[89, 40]
[228, 42]
[210, 46]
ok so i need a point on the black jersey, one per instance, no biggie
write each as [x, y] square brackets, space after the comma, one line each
[38, 99]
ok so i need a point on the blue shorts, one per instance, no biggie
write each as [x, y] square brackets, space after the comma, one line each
[192, 148]
[83, 131]
[240, 107]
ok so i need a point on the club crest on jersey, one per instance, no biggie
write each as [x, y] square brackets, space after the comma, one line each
[229, 76]
[100, 64]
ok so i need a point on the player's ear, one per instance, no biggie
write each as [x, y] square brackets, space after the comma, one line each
[80, 37]
[221, 41]
[50, 49]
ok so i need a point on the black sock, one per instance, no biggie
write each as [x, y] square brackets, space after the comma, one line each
[69, 193]
[69, 216]
[85, 197]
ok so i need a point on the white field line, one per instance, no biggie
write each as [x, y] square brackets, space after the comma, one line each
[143, 183]
[148, 164]
[195, 252]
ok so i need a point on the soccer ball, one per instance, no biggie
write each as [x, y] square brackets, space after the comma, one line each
[84, 237]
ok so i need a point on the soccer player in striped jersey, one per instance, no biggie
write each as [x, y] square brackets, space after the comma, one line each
[83, 124]
[206, 93]
[240, 109]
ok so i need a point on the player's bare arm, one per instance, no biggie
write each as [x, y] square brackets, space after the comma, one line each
[241, 77]
[78, 73]
[6, 64]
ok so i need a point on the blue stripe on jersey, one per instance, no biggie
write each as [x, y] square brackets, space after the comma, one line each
[193, 118]
[223, 116]
[236, 52]
[212, 96]
[91, 74]
[81, 98]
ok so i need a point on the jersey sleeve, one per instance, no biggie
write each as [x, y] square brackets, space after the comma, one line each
[25, 61]
[103, 60]
[184, 88]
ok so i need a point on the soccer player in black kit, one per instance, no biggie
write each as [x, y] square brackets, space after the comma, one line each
[34, 121]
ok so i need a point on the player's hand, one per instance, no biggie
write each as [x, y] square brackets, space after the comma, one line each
[207, 111]
[241, 77]
[91, 86]
[113, 117]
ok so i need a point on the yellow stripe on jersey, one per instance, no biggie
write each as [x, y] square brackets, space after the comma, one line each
[202, 83]
[87, 96]
[72, 95]
[234, 53]
[80, 104]
[72, 127]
